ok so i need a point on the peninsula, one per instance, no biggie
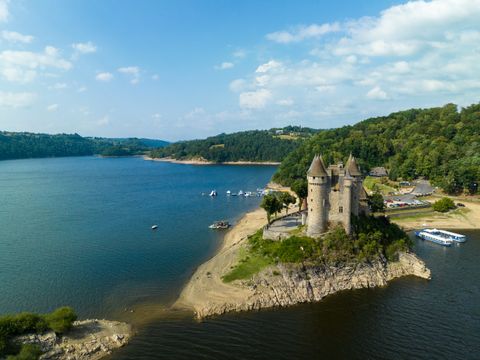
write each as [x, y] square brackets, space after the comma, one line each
[333, 246]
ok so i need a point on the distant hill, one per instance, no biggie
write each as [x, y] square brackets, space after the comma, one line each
[20, 145]
[254, 145]
[441, 144]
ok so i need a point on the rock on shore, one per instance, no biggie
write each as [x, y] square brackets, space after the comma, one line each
[87, 340]
[288, 284]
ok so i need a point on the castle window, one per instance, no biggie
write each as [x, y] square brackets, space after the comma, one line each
[340, 209]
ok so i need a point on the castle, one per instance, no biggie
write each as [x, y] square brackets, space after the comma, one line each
[334, 194]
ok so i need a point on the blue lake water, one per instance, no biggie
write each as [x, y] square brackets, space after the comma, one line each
[77, 231]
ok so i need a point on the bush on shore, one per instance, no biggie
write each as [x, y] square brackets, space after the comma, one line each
[60, 320]
[443, 205]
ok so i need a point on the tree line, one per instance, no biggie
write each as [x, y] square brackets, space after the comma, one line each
[22, 145]
[255, 145]
[441, 144]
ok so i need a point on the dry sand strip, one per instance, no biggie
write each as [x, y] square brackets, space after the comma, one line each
[200, 161]
[206, 287]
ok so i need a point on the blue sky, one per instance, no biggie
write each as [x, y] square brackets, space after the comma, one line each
[188, 69]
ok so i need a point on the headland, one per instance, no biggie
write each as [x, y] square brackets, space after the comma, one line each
[283, 284]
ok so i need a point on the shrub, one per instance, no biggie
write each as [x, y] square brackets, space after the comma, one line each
[61, 319]
[27, 352]
[443, 205]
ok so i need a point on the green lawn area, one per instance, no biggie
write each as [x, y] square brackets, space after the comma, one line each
[248, 266]
[374, 183]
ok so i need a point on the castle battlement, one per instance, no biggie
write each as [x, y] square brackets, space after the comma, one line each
[334, 194]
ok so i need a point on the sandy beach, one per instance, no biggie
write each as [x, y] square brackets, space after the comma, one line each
[206, 286]
[467, 217]
[201, 161]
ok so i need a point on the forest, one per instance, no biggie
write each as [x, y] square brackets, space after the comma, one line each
[22, 145]
[441, 144]
[255, 145]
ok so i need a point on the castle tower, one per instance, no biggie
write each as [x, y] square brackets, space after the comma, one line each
[317, 197]
[348, 204]
[353, 170]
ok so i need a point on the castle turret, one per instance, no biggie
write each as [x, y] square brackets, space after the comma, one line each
[317, 197]
[348, 203]
[353, 170]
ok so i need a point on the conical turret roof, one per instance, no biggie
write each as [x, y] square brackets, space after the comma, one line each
[317, 167]
[352, 166]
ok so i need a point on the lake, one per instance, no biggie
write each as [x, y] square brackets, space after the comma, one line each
[77, 231]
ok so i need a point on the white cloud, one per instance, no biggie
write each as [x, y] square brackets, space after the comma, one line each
[84, 48]
[155, 77]
[18, 75]
[271, 65]
[415, 54]
[224, 66]
[406, 29]
[4, 13]
[81, 89]
[15, 37]
[303, 32]
[16, 100]
[156, 116]
[377, 93]
[52, 107]
[132, 71]
[23, 66]
[104, 76]
[255, 99]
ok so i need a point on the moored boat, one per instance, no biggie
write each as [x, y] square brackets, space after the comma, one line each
[442, 237]
[154, 227]
[220, 225]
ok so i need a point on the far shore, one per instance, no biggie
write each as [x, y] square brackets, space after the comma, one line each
[206, 162]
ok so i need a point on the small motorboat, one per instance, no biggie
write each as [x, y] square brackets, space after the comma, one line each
[213, 193]
[229, 193]
[220, 225]
[154, 227]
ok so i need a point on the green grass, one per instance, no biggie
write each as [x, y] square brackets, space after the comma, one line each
[375, 183]
[372, 236]
[247, 267]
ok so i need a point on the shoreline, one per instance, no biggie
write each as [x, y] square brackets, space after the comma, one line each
[282, 285]
[206, 162]
[91, 339]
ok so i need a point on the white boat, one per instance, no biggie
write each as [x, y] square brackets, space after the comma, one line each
[213, 193]
[442, 237]
[240, 193]
[229, 193]
[154, 227]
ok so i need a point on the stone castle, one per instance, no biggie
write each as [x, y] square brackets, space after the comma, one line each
[334, 194]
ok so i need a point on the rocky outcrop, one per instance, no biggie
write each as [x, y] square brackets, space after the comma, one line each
[87, 340]
[289, 284]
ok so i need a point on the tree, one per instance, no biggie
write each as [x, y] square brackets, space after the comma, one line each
[375, 201]
[271, 204]
[443, 205]
[300, 188]
[286, 199]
